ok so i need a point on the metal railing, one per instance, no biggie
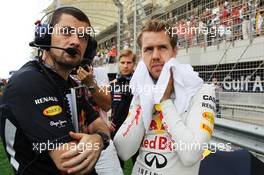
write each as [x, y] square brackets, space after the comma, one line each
[241, 135]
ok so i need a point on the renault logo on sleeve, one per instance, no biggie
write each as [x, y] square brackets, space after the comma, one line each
[159, 159]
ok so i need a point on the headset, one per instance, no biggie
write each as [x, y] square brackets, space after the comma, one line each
[43, 33]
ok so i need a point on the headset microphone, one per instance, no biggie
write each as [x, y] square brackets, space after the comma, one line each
[70, 50]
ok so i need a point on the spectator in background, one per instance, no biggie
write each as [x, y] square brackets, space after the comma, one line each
[112, 55]
[193, 34]
[190, 32]
[201, 27]
[236, 21]
[182, 30]
[4, 81]
[245, 16]
[214, 27]
[104, 55]
[215, 24]
[121, 93]
[252, 16]
[96, 59]
[208, 21]
[221, 31]
[262, 27]
[194, 25]
[259, 23]
[224, 20]
[2, 85]
[253, 24]
[224, 16]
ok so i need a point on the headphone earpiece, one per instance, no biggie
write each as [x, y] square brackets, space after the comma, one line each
[43, 36]
[90, 51]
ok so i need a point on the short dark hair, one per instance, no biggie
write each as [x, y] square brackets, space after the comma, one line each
[156, 25]
[127, 52]
[75, 12]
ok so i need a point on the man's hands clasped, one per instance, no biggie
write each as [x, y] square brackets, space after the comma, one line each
[83, 157]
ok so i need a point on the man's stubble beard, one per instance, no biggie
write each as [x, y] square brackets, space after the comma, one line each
[68, 65]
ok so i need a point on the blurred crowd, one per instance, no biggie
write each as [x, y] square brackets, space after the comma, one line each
[209, 24]
[3, 83]
[105, 56]
[224, 21]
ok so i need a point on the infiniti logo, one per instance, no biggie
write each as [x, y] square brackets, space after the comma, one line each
[160, 160]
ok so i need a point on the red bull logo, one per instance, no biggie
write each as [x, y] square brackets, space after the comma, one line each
[158, 142]
[156, 124]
